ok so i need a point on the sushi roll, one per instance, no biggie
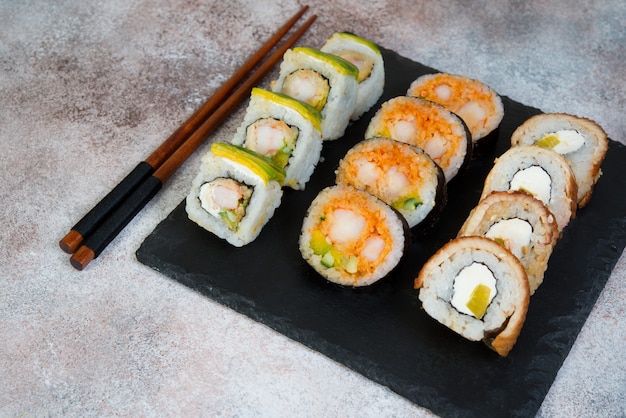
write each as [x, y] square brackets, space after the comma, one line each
[366, 56]
[581, 141]
[427, 125]
[400, 174]
[540, 172]
[522, 224]
[235, 193]
[324, 81]
[478, 289]
[351, 237]
[476, 103]
[285, 130]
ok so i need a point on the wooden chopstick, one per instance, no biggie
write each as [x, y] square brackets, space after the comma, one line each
[95, 243]
[83, 228]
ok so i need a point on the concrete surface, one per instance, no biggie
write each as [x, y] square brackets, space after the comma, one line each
[88, 89]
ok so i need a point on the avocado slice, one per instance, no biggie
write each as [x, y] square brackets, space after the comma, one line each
[355, 38]
[408, 203]
[318, 243]
[548, 141]
[257, 163]
[307, 111]
[479, 300]
[340, 64]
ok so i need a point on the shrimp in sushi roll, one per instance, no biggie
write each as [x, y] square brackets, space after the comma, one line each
[427, 125]
[285, 130]
[366, 56]
[324, 81]
[351, 237]
[400, 174]
[477, 104]
[235, 193]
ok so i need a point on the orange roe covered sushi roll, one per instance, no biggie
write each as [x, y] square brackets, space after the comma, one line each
[477, 104]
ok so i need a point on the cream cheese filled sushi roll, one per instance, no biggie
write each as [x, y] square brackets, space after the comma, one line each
[285, 130]
[540, 172]
[351, 237]
[366, 56]
[235, 193]
[476, 103]
[478, 289]
[324, 81]
[520, 223]
[581, 141]
[400, 174]
[427, 125]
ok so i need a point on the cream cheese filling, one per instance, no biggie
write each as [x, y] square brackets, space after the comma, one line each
[534, 180]
[564, 141]
[514, 234]
[465, 283]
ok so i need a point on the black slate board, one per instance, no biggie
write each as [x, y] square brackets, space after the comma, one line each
[380, 331]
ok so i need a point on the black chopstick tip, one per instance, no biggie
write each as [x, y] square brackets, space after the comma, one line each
[71, 242]
[82, 257]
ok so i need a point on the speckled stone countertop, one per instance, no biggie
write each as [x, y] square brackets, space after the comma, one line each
[88, 89]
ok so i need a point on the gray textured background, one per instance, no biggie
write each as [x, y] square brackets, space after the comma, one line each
[88, 90]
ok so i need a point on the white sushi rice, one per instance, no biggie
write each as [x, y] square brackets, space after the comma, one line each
[263, 202]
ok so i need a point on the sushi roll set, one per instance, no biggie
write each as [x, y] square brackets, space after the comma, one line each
[393, 183]
[412, 148]
[376, 177]
[279, 142]
[529, 197]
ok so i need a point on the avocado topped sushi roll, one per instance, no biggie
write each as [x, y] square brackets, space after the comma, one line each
[400, 174]
[351, 237]
[366, 56]
[235, 193]
[285, 130]
[427, 125]
[324, 81]
[581, 141]
[477, 104]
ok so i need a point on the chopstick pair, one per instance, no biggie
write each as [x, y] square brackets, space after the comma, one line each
[90, 236]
